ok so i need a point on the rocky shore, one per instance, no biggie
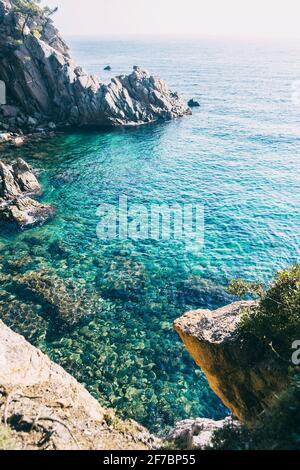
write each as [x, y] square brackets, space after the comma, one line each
[18, 187]
[43, 407]
[47, 90]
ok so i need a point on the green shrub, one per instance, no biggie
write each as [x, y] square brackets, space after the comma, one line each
[275, 321]
[27, 7]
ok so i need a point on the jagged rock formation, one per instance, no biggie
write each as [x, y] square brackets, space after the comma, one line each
[196, 434]
[244, 381]
[48, 89]
[17, 184]
[46, 408]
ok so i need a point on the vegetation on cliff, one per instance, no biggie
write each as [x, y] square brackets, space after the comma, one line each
[275, 323]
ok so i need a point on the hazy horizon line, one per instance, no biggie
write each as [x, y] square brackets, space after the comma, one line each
[185, 36]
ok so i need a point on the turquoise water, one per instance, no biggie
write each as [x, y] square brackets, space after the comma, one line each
[238, 156]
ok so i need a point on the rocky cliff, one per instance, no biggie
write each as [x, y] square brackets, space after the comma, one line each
[244, 381]
[43, 407]
[46, 88]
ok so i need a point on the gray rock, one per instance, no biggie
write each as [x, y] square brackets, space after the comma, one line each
[197, 434]
[9, 111]
[26, 212]
[17, 183]
[25, 177]
[9, 188]
[52, 86]
[32, 122]
[4, 136]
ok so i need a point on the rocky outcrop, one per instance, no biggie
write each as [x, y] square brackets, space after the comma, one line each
[193, 103]
[48, 89]
[196, 434]
[17, 186]
[46, 408]
[245, 381]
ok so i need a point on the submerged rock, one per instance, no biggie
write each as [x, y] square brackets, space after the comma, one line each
[64, 299]
[235, 371]
[47, 86]
[17, 183]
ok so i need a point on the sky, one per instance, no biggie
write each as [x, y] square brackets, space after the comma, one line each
[223, 18]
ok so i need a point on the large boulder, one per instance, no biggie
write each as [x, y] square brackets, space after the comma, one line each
[65, 300]
[245, 381]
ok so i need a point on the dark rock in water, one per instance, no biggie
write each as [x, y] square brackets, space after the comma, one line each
[58, 249]
[60, 92]
[107, 68]
[193, 103]
[17, 183]
[121, 278]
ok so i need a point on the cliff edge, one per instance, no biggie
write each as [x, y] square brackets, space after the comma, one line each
[44, 407]
[244, 380]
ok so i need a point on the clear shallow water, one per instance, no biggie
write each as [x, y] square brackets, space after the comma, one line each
[238, 155]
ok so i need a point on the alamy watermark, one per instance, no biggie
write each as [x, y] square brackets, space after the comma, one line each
[2, 93]
[178, 221]
[296, 354]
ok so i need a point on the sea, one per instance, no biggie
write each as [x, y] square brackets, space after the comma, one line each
[237, 158]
